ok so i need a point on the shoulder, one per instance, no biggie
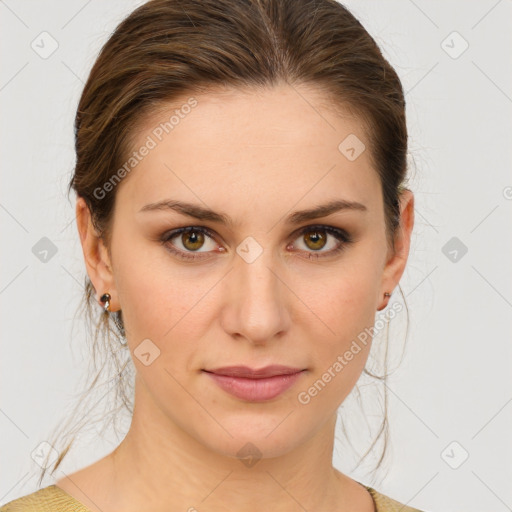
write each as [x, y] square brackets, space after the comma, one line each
[47, 499]
[384, 503]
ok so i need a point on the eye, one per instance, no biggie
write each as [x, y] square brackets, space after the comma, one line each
[314, 238]
[192, 238]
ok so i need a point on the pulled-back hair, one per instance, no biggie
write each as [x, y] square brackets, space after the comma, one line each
[167, 49]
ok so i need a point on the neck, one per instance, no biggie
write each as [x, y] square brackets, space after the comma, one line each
[172, 470]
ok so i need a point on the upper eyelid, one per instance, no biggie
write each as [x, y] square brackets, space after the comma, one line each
[332, 230]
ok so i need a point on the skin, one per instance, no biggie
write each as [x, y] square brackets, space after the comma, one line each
[257, 157]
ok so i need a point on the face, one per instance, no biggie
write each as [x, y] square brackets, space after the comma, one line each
[254, 284]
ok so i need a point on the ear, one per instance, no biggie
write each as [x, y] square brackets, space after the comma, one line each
[397, 258]
[96, 257]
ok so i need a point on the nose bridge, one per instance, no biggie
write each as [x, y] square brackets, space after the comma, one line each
[255, 269]
[256, 291]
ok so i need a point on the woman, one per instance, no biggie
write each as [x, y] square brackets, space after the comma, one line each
[243, 215]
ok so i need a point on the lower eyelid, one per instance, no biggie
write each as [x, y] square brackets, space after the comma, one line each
[166, 240]
[340, 235]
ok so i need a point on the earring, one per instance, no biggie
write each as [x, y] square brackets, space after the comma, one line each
[386, 294]
[106, 299]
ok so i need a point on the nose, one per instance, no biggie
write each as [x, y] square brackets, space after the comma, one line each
[256, 304]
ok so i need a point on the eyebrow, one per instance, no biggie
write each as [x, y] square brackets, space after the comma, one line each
[198, 212]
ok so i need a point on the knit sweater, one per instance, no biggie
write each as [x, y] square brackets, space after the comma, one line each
[54, 499]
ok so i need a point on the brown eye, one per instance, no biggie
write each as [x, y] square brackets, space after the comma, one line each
[311, 240]
[315, 240]
[193, 240]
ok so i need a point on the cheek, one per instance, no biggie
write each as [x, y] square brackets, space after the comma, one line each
[164, 301]
[154, 291]
[338, 357]
[344, 299]
[155, 305]
[345, 309]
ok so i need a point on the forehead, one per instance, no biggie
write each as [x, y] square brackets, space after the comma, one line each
[283, 143]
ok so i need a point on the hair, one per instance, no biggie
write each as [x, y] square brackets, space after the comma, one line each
[166, 49]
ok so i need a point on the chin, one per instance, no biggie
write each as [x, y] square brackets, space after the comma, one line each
[255, 440]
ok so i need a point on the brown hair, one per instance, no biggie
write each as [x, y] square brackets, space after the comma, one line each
[169, 48]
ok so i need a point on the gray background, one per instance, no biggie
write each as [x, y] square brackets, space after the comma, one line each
[451, 396]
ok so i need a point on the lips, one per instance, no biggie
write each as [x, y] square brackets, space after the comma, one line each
[255, 385]
[250, 373]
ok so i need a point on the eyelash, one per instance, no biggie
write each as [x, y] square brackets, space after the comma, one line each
[341, 235]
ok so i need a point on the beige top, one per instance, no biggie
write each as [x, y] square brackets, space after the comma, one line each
[54, 499]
